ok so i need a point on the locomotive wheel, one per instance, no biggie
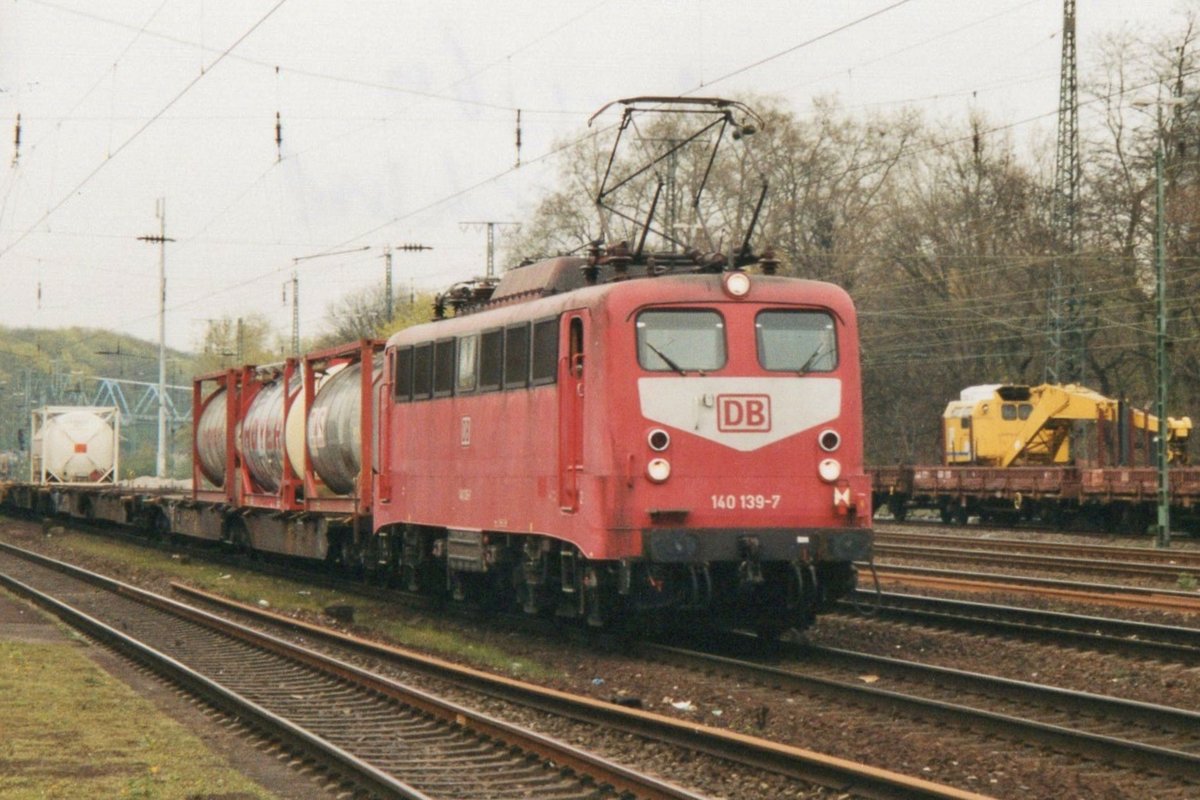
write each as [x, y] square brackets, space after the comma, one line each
[838, 580]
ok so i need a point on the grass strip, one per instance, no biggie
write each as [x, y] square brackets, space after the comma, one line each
[376, 617]
[68, 729]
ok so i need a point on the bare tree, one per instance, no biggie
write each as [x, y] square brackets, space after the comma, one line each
[230, 342]
[1143, 87]
[364, 315]
[957, 295]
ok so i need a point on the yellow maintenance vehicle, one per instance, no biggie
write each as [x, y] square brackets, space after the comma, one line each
[1011, 425]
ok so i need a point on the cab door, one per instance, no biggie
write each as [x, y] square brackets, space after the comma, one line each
[571, 398]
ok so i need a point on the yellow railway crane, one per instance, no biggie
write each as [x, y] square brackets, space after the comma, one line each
[1009, 425]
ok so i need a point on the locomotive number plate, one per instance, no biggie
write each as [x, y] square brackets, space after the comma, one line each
[745, 502]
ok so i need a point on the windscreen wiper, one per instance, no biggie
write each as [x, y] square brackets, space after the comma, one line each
[812, 359]
[665, 359]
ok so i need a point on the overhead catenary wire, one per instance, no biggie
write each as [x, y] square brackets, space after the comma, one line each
[409, 214]
[315, 74]
[923, 43]
[108, 72]
[568, 145]
[806, 43]
[375, 121]
[142, 129]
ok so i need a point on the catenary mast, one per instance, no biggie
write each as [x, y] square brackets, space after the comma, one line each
[1066, 359]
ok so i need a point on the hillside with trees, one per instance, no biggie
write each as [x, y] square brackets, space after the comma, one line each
[83, 366]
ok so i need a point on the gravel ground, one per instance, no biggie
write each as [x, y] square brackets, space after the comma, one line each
[996, 767]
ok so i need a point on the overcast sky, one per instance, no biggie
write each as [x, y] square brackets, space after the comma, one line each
[398, 124]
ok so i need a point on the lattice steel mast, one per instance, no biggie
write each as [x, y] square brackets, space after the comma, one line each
[1067, 356]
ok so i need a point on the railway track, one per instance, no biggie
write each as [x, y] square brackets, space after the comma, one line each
[1160, 642]
[308, 700]
[1180, 558]
[1041, 561]
[1146, 737]
[988, 582]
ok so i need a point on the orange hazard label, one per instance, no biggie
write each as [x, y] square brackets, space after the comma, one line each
[81, 447]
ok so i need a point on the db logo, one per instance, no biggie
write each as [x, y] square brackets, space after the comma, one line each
[743, 413]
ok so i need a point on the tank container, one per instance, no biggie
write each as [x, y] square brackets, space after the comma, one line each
[74, 444]
[210, 438]
[262, 436]
[334, 429]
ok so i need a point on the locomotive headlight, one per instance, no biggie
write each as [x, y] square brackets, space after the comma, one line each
[659, 440]
[658, 470]
[830, 469]
[737, 284]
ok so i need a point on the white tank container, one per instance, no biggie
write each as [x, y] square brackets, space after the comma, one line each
[334, 429]
[210, 438]
[262, 436]
[75, 444]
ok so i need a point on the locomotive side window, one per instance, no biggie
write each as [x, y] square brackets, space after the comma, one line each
[422, 371]
[443, 367]
[576, 346]
[516, 356]
[468, 352]
[402, 378]
[796, 341]
[1024, 410]
[680, 340]
[491, 360]
[1008, 412]
[545, 351]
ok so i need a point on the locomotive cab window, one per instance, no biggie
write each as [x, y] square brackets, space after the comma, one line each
[680, 340]
[402, 374]
[796, 341]
[443, 367]
[491, 360]
[468, 351]
[1008, 412]
[545, 351]
[516, 356]
[422, 382]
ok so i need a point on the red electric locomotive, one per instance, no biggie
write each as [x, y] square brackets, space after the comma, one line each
[684, 443]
